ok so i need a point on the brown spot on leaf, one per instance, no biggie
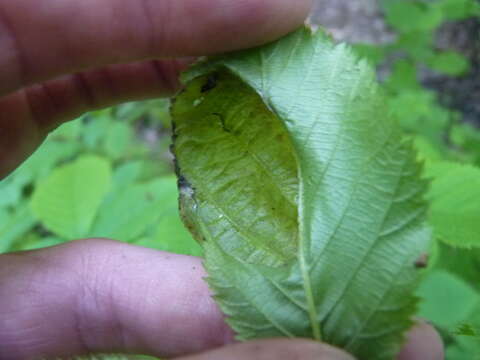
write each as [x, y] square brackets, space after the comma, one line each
[422, 261]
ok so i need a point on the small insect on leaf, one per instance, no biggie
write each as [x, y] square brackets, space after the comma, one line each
[422, 261]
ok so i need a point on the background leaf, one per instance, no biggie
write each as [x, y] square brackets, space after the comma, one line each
[14, 223]
[455, 205]
[450, 63]
[118, 139]
[67, 201]
[459, 9]
[439, 291]
[125, 215]
[411, 15]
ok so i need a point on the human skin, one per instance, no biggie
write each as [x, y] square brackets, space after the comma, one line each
[60, 58]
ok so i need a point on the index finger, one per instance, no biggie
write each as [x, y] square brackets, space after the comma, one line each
[40, 40]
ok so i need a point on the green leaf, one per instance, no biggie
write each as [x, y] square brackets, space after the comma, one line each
[35, 241]
[126, 174]
[10, 191]
[455, 205]
[403, 76]
[118, 139]
[459, 9]
[464, 263]
[126, 214]
[412, 107]
[308, 198]
[411, 15]
[466, 138]
[466, 348]
[449, 63]
[467, 330]
[417, 44]
[156, 110]
[67, 201]
[69, 131]
[373, 53]
[40, 164]
[440, 290]
[426, 150]
[170, 235]
[14, 224]
[419, 113]
[96, 128]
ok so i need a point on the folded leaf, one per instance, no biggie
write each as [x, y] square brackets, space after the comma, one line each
[307, 198]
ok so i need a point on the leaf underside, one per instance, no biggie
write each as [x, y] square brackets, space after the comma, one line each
[307, 199]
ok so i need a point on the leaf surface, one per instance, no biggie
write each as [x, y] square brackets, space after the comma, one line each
[68, 200]
[455, 206]
[439, 291]
[125, 215]
[14, 224]
[307, 197]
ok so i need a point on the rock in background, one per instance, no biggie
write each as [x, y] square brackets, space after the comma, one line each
[356, 21]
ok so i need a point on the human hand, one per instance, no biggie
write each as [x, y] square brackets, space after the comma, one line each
[75, 51]
[59, 58]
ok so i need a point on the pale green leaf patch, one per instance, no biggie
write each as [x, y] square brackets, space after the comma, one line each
[67, 201]
[455, 203]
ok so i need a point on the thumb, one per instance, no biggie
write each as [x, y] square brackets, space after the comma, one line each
[274, 349]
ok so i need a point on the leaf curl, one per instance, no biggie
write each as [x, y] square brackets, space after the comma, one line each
[308, 199]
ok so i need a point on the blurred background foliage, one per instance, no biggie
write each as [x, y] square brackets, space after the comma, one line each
[416, 70]
[110, 174]
[107, 174]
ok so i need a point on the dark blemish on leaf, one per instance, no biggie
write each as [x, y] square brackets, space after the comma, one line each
[184, 186]
[211, 83]
[174, 136]
[422, 261]
[222, 122]
[183, 183]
